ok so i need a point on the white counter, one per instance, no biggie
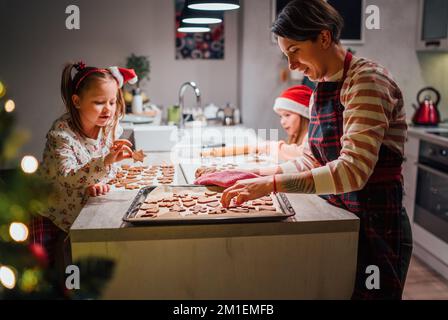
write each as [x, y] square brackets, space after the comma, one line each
[423, 134]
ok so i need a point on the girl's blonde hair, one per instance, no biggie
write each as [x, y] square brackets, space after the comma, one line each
[81, 82]
[297, 138]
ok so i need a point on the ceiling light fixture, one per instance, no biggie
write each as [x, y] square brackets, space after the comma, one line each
[201, 17]
[193, 28]
[214, 4]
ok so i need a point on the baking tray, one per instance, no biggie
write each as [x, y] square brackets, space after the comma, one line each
[130, 215]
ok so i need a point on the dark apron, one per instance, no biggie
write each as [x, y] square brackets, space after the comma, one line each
[385, 238]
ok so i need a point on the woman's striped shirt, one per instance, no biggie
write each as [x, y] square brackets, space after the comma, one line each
[374, 115]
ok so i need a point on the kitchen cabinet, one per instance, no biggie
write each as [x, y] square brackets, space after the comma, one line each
[433, 26]
[422, 198]
[352, 12]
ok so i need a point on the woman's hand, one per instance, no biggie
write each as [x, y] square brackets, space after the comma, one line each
[245, 190]
[98, 189]
[121, 149]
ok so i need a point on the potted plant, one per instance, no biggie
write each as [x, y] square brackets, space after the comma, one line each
[142, 68]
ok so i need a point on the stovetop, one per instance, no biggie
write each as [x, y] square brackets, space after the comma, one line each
[439, 133]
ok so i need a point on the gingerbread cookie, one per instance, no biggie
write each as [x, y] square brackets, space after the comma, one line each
[138, 156]
[145, 206]
[128, 181]
[188, 203]
[266, 208]
[148, 215]
[166, 204]
[204, 200]
[217, 211]
[183, 195]
[177, 208]
[198, 209]
[153, 209]
[213, 204]
[258, 202]
[239, 210]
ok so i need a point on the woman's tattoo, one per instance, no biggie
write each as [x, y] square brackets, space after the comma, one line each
[296, 183]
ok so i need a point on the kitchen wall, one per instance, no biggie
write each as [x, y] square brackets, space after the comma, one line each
[261, 61]
[393, 46]
[35, 44]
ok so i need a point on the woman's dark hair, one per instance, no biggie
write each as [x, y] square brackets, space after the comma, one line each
[303, 20]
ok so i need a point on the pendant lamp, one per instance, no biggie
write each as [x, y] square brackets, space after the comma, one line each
[213, 4]
[193, 28]
[201, 17]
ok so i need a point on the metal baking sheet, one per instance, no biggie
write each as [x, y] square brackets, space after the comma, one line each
[280, 200]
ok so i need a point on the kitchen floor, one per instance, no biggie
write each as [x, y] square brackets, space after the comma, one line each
[423, 283]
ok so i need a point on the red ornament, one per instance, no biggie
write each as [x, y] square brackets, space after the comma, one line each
[39, 253]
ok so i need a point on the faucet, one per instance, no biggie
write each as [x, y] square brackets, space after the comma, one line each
[182, 89]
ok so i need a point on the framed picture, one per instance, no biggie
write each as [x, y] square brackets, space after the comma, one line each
[198, 46]
[352, 11]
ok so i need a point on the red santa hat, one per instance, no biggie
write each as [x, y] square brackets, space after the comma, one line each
[295, 99]
[123, 75]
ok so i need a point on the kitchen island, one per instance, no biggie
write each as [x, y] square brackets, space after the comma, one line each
[309, 256]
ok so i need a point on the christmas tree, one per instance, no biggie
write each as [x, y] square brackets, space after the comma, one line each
[24, 269]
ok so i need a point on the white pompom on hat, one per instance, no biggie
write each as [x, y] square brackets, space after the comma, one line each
[295, 99]
[123, 75]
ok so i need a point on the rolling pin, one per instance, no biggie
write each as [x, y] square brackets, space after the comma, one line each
[226, 151]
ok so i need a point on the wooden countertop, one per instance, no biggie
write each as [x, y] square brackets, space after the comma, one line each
[101, 219]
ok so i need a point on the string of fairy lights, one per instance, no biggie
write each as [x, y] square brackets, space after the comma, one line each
[18, 231]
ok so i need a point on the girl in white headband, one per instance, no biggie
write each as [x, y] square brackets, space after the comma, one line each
[81, 151]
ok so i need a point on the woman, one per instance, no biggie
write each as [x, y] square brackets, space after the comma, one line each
[355, 147]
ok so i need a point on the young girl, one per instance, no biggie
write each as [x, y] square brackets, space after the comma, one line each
[292, 107]
[80, 152]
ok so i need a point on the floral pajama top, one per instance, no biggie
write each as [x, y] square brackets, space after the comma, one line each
[71, 163]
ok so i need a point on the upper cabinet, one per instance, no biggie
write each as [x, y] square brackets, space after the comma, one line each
[433, 25]
[353, 14]
[352, 11]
